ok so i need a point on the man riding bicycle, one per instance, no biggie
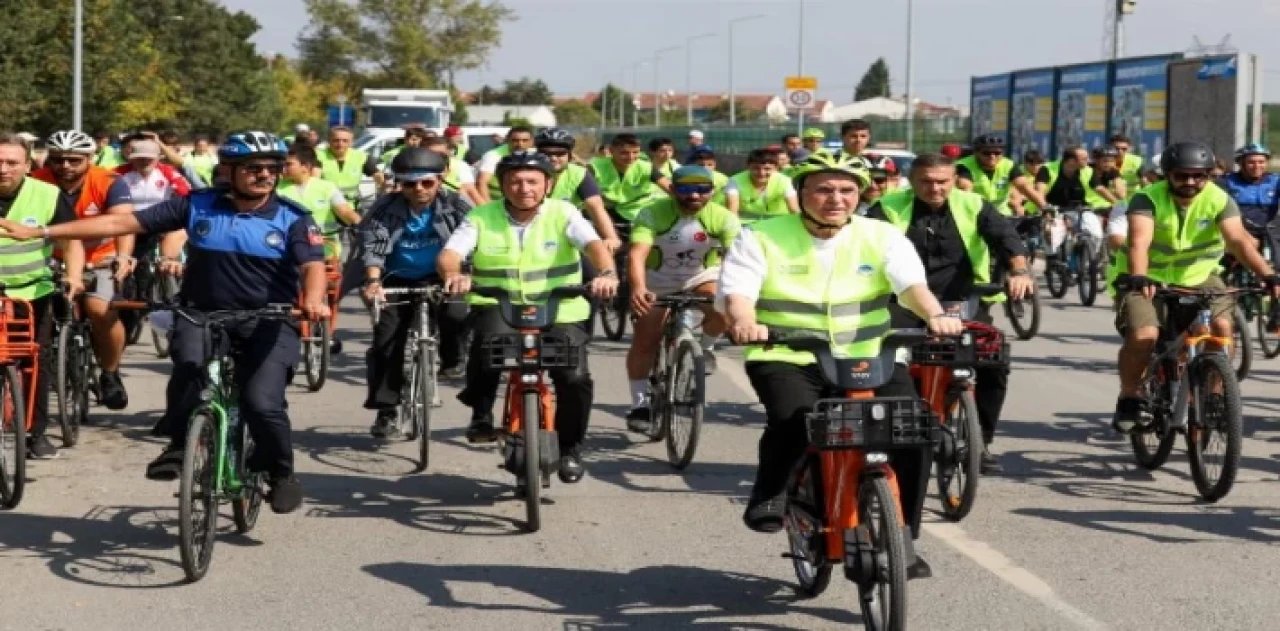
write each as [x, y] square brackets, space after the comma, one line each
[527, 245]
[403, 235]
[248, 249]
[675, 245]
[994, 177]
[1178, 230]
[1257, 193]
[761, 191]
[574, 183]
[626, 182]
[828, 271]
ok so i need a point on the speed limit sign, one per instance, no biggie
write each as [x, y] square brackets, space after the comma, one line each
[800, 92]
[799, 99]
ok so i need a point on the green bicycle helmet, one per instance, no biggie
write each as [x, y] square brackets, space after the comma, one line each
[827, 163]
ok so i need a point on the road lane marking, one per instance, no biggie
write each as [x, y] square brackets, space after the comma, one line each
[979, 552]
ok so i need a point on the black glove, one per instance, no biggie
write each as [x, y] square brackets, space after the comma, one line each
[1137, 283]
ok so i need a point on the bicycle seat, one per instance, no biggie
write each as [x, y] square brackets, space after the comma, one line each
[540, 317]
[857, 373]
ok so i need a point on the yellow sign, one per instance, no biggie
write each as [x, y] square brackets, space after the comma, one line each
[801, 83]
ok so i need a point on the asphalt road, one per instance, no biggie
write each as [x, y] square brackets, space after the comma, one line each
[1072, 536]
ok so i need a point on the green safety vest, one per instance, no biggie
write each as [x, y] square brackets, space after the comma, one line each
[347, 176]
[1091, 197]
[627, 192]
[669, 168]
[1131, 173]
[317, 197]
[567, 183]
[460, 152]
[995, 187]
[1184, 251]
[22, 262]
[527, 270]
[451, 177]
[849, 307]
[108, 157]
[753, 205]
[965, 208]
[658, 218]
[203, 164]
[495, 185]
[389, 155]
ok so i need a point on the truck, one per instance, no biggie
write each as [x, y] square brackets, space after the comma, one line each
[393, 109]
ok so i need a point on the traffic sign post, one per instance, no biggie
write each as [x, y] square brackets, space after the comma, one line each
[801, 92]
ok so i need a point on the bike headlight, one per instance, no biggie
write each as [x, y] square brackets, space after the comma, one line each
[530, 341]
[961, 373]
[877, 457]
[529, 379]
[878, 412]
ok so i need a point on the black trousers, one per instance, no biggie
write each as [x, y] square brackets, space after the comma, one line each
[42, 309]
[265, 352]
[788, 392]
[575, 391]
[385, 358]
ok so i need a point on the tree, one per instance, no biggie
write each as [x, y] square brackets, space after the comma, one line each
[720, 112]
[576, 113]
[613, 97]
[486, 96]
[459, 115]
[524, 91]
[875, 82]
[404, 43]
[514, 121]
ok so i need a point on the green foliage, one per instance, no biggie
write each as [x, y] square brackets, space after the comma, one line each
[613, 98]
[720, 112]
[523, 91]
[576, 114]
[875, 82]
[515, 121]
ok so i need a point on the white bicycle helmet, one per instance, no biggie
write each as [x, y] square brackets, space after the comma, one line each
[72, 141]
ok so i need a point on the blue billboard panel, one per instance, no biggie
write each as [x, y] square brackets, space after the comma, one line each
[1082, 106]
[1031, 120]
[342, 116]
[1140, 102]
[989, 105]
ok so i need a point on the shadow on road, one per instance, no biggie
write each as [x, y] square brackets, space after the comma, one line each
[653, 597]
[436, 502]
[1210, 523]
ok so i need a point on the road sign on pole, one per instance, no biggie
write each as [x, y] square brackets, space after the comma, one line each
[801, 92]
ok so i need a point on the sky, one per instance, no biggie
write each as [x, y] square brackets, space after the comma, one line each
[578, 45]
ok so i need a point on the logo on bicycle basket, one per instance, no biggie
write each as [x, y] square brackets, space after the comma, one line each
[274, 239]
[203, 227]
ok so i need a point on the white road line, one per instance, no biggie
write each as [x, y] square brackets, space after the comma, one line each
[979, 552]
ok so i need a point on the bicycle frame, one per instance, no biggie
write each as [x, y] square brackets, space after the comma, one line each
[221, 393]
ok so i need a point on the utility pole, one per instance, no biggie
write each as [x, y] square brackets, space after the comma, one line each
[733, 106]
[911, 110]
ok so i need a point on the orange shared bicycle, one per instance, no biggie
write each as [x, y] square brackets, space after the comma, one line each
[19, 359]
[316, 335]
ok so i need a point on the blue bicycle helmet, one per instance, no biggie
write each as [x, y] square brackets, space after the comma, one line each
[244, 145]
[1252, 149]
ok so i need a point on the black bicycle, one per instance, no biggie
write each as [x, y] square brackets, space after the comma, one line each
[615, 312]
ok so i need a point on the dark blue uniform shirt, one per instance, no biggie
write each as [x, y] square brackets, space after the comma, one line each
[238, 260]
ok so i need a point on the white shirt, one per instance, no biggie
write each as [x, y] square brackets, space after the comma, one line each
[743, 270]
[465, 175]
[732, 187]
[149, 190]
[489, 162]
[580, 233]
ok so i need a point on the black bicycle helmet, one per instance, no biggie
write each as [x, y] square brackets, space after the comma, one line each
[415, 163]
[1187, 155]
[554, 137]
[525, 160]
[1105, 151]
[988, 141]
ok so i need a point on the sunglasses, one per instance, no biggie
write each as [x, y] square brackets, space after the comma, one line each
[1183, 176]
[427, 183]
[67, 160]
[269, 169]
[990, 153]
[694, 189]
[879, 180]
[555, 153]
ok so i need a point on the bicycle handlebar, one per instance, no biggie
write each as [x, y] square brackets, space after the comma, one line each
[895, 338]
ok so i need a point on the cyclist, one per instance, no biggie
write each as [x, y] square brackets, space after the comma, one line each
[150, 181]
[576, 184]
[696, 142]
[107, 156]
[1130, 164]
[403, 235]
[248, 249]
[626, 182]
[458, 177]
[994, 177]
[958, 234]
[33, 207]
[519, 139]
[675, 245]
[346, 167]
[1257, 193]
[855, 137]
[413, 137]
[774, 274]
[761, 191]
[492, 236]
[812, 141]
[202, 159]
[93, 191]
[705, 157]
[878, 178]
[662, 155]
[1178, 230]
[1078, 186]
[1106, 161]
[457, 142]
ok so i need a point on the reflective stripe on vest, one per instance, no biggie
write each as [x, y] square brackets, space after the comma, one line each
[347, 177]
[628, 192]
[22, 262]
[1183, 251]
[995, 187]
[847, 305]
[753, 205]
[527, 271]
[567, 183]
[964, 207]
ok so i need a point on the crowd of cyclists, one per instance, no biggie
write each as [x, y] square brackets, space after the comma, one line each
[805, 242]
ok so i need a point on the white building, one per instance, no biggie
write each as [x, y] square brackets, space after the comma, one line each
[491, 115]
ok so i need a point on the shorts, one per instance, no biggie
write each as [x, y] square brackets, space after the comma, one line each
[1135, 310]
[664, 286]
[101, 284]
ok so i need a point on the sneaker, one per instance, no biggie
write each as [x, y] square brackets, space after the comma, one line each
[112, 389]
[1128, 413]
[335, 347]
[990, 465]
[453, 372]
[481, 429]
[40, 448]
[638, 419]
[709, 362]
[385, 426]
[168, 466]
[571, 467]
[764, 514]
[920, 569]
[285, 494]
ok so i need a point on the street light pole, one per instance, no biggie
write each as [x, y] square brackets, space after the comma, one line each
[657, 78]
[733, 107]
[911, 110]
[688, 75]
[77, 97]
[800, 68]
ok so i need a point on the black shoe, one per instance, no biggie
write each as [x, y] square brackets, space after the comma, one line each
[571, 467]
[481, 429]
[990, 464]
[285, 494]
[453, 372]
[385, 426]
[40, 448]
[638, 419]
[764, 514]
[920, 569]
[335, 347]
[112, 388]
[168, 466]
[1128, 414]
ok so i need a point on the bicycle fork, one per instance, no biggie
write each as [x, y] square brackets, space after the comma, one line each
[848, 539]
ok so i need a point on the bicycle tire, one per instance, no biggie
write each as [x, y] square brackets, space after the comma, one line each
[65, 387]
[531, 427]
[196, 539]
[1241, 346]
[968, 456]
[1087, 286]
[1269, 342]
[613, 317]
[1054, 272]
[132, 327]
[315, 356]
[1029, 330]
[808, 556]
[688, 358]
[888, 537]
[1213, 490]
[12, 405]
[422, 371]
[246, 508]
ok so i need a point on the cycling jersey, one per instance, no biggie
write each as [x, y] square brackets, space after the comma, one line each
[100, 191]
[1258, 200]
[683, 245]
[148, 190]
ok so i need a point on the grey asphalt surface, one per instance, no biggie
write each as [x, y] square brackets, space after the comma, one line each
[1072, 536]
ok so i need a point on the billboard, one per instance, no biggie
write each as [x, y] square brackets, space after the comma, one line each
[1031, 120]
[1082, 106]
[989, 105]
[1140, 102]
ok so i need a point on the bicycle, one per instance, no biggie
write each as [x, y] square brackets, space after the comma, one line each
[420, 391]
[1019, 309]
[1180, 389]
[1077, 259]
[149, 285]
[316, 335]
[19, 357]
[677, 382]
[842, 499]
[531, 450]
[615, 312]
[1261, 310]
[76, 366]
[944, 370]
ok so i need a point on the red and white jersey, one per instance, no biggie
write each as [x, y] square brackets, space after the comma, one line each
[149, 190]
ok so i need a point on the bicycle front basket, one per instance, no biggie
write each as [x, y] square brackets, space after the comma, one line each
[881, 423]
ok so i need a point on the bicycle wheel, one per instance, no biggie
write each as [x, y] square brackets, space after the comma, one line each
[245, 509]
[68, 386]
[13, 438]
[958, 477]
[422, 373]
[1055, 278]
[1024, 315]
[1270, 342]
[315, 353]
[686, 403]
[161, 293]
[1087, 286]
[197, 497]
[1241, 345]
[884, 603]
[803, 523]
[1215, 412]
[613, 317]
[532, 424]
